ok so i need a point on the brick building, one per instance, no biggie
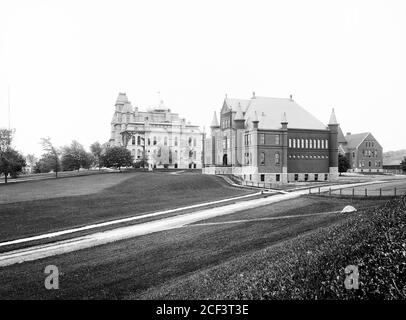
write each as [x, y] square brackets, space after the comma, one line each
[271, 140]
[363, 151]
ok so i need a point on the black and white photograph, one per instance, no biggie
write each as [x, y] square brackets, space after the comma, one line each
[196, 157]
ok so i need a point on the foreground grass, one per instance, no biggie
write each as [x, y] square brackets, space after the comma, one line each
[134, 194]
[311, 266]
[128, 268]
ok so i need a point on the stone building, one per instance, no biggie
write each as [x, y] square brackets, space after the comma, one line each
[157, 135]
[362, 150]
[271, 140]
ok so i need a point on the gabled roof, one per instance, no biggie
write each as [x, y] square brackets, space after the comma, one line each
[354, 140]
[232, 103]
[269, 111]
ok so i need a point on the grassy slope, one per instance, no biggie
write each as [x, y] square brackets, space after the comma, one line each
[312, 266]
[130, 267]
[142, 192]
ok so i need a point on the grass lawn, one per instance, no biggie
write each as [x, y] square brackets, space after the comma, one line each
[109, 196]
[158, 263]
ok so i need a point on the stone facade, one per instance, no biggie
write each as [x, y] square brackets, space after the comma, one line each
[271, 140]
[157, 135]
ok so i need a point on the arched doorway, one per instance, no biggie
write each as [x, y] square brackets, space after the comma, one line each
[225, 160]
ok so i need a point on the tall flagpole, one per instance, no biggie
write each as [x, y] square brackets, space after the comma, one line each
[9, 107]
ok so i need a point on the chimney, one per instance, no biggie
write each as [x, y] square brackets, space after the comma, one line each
[253, 94]
[291, 98]
[348, 133]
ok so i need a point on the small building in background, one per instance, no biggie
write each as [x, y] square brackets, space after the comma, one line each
[363, 151]
[161, 137]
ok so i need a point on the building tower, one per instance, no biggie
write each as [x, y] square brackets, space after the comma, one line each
[333, 146]
[284, 123]
[214, 129]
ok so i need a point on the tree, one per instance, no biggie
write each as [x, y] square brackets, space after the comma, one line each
[117, 157]
[96, 150]
[343, 164]
[11, 162]
[75, 157]
[403, 164]
[53, 153]
[46, 164]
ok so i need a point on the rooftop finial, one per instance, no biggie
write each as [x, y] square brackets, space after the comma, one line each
[291, 97]
[253, 94]
[284, 118]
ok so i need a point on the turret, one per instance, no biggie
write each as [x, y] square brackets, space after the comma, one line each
[333, 146]
[239, 118]
[214, 122]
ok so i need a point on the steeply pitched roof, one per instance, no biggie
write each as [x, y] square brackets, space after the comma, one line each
[214, 122]
[233, 103]
[270, 110]
[353, 140]
[333, 119]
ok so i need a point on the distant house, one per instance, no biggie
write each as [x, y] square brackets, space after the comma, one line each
[363, 151]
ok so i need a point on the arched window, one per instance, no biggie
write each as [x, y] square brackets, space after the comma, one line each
[318, 143]
[290, 143]
[311, 144]
[294, 143]
[322, 144]
[190, 141]
[326, 144]
[139, 140]
[133, 140]
[303, 143]
[277, 158]
[307, 143]
[154, 141]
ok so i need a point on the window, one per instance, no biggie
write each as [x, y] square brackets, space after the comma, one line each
[138, 153]
[262, 177]
[194, 142]
[139, 140]
[316, 177]
[133, 140]
[302, 143]
[277, 139]
[326, 144]
[133, 152]
[296, 177]
[190, 141]
[353, 154]
[322, 144]
[194, 155]
[149, 141]
[262, 159]
[176, 141]
[277, 158]
[314, 143]
[278, 177]
[154, 141]
[262, 138]
[225, 143]
[326, 176]
[294, 143]
[318, 143]
[290, 143]
[311, 144]
[369, 163]
[306, 177]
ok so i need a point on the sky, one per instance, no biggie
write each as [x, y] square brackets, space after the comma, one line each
[63, 63]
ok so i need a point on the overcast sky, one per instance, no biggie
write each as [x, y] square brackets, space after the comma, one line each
[66, 61]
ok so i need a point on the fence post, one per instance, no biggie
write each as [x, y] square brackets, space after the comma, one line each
[380, 192]
[329, 191]
[366, 192]
[353, 192]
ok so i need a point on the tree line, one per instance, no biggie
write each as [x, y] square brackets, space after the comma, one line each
[55, 159]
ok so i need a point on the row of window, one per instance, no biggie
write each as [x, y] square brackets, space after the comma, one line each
[276, 138]
[308, 143]
[369, 144]
[277, 158]
[192, 154]
[296, 177]
[362, 163]
[368, 153]
[308, 156]
[154, 142]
